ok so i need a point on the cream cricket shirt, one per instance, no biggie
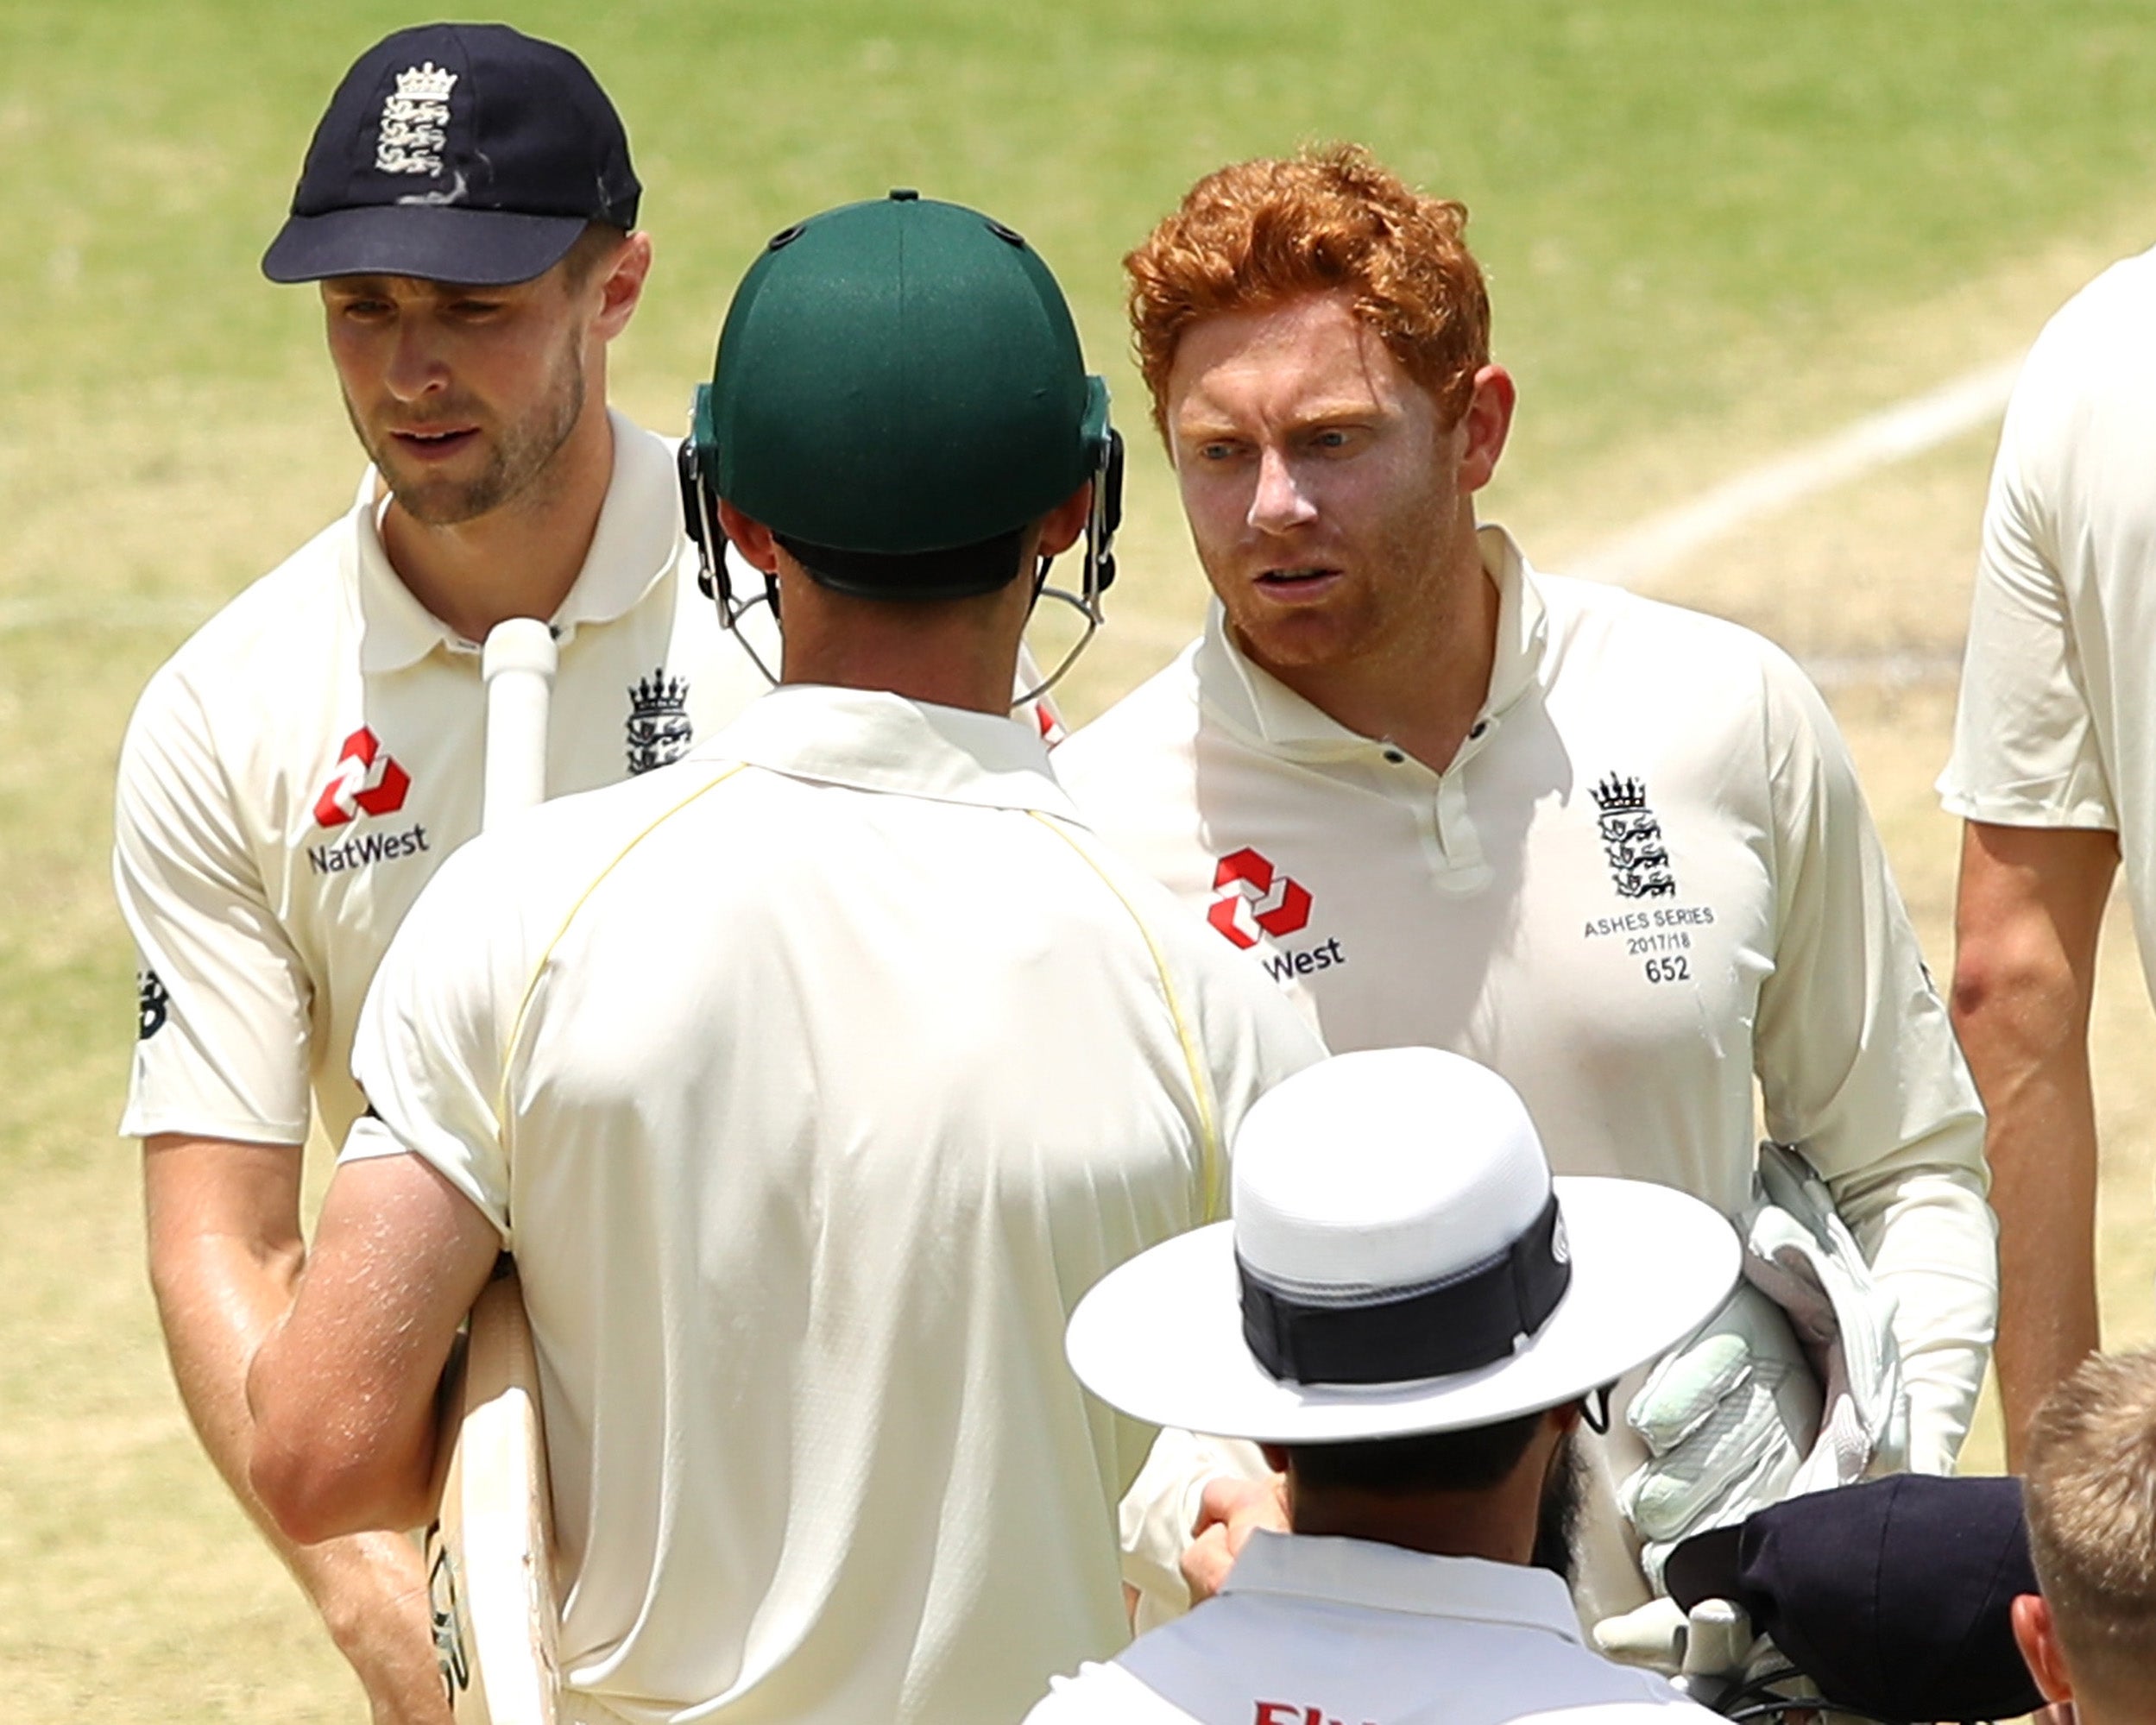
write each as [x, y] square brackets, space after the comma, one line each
[2057, 726]
[1648, 883]
[1343, 1631]
[294, 774]
[811, 1083]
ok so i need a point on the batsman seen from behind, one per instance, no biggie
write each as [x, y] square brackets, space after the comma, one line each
[811, 1082]
[1614, 849]
[298, 770]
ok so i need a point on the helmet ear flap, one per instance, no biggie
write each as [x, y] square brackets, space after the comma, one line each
[697, 459]
[695, 463]
[1111, 483]
[1104, 465]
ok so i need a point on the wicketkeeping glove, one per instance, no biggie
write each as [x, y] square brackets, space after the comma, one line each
[1793, 1386]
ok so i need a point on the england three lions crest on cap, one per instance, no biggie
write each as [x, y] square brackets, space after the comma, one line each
[415, 120]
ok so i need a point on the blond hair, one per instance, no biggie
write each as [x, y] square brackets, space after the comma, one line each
[2090, 1491]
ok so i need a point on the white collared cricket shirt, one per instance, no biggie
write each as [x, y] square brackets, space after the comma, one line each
[811, 1083]
[1312, 1631]
[2057, 726]
[1647, 891]
[297, 770]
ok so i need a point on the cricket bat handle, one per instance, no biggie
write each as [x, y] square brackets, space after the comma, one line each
[517, 666]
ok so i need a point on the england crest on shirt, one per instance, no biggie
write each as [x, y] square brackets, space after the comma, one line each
[659, 729]
[1632, 842]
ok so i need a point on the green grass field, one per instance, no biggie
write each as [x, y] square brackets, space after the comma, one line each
[1712, 229]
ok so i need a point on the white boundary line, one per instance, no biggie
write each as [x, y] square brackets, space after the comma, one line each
[1894, 434]
[20, 614]
[1878, 440]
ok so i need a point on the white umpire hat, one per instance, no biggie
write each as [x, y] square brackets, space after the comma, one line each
[1400, 1261]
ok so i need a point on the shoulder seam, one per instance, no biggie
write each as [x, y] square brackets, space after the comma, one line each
[1202, 1089]
[545, 957]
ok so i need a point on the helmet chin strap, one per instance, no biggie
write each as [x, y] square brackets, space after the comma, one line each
[1103, 515]
[1085, 603]
[714, 579]
[700, 513]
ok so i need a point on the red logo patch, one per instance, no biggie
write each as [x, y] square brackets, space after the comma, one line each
[367, 781]
[1250, 897]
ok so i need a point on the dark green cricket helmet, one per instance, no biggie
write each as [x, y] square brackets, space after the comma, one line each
[899, 394]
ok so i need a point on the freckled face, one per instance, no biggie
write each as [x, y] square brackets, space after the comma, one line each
[462, 396]
[1326, 497]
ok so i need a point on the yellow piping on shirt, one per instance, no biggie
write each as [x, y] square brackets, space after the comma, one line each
[516, 1027]
[1209, 1132]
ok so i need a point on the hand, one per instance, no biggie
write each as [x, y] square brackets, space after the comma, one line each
[1228, 1511]
[1726, 1420]
[1793, 1386]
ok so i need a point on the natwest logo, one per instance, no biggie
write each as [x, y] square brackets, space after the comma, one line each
[1250, 897]
[367, 781]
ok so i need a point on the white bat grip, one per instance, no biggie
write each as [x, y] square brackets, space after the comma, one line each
[517, 664]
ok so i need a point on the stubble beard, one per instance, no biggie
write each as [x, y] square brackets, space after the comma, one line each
[520, 456]
[1409, 603]
[1557, 1520]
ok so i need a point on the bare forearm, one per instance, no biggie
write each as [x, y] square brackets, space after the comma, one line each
[216, 1299]
[220, 1296]
[224, 1252]
[314, 1498]
[343, 1390]
[316, 1491]
[2042, 1146]
[2028, 919]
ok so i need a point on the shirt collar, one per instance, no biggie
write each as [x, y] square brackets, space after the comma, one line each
[1257, 704]
[868, 740]
[633, 545]
[1376, 1578]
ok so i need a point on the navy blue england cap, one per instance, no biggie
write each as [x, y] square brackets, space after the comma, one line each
[1893, 1596]
[467, 153]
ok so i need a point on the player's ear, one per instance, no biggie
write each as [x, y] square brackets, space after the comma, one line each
[2034, 1633]
[621, 285]
[1488, 423]
[1062, 526]
[756, 542]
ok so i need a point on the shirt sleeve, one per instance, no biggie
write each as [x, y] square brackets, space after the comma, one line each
[430, 1051]
[1858, 1067]
[223, 1030]
[2026, 751]
[1252, 1037]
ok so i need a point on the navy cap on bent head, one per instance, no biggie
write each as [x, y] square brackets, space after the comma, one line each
[466, 153]
[899, 394]
[1893, 1596]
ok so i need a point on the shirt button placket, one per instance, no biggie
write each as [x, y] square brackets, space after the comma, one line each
[1459, 844]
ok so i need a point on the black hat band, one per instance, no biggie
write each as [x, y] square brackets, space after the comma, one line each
[1468, 1319]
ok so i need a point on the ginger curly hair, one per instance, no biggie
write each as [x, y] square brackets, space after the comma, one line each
[1333, 219]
